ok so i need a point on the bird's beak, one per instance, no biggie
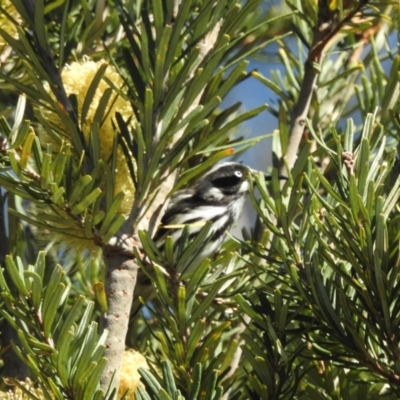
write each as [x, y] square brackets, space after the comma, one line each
[266, 177]
[280, 177]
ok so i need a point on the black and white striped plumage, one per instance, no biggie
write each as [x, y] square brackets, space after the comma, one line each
[217, 196]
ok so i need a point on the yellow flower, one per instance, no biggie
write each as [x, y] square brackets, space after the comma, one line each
[6, 24]
[18, 394]
[77, 78]
[129, 375]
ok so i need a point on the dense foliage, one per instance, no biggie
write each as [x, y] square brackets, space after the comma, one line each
[109, 107]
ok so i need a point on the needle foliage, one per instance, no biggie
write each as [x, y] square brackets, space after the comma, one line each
[109, 107]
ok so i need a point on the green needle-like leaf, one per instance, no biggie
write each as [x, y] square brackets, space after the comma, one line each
[87, 201]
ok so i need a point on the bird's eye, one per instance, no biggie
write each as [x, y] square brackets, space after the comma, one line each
[239, 174]
[226, 181]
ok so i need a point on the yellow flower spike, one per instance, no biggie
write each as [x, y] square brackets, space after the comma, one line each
[77, 79]
[90, 82]
[15, 392]
[129, 375]
[6, 24]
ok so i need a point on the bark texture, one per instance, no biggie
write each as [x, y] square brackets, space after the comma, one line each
[120, 284]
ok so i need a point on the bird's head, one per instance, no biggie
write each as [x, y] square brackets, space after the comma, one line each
[226, 180]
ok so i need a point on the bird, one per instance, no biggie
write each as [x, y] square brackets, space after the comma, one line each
[217, 196]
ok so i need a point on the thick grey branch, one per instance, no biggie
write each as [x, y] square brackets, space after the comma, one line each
[121, 276]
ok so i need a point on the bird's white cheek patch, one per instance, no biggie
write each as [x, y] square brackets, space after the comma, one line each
[215, 193]
[244, 187]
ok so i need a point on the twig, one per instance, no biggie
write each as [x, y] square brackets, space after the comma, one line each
[299, 116]
[324, 32]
